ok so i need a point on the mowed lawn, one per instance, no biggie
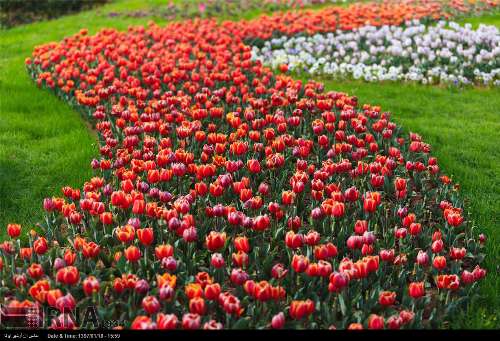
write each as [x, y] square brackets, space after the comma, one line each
[44, 144]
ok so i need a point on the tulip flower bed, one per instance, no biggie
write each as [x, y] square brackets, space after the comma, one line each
[226, 196]
[414, 52]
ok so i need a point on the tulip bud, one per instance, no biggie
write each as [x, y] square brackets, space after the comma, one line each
[217, 260]
[150, 304]
[422, 258]
[169, 263]
[278, 321]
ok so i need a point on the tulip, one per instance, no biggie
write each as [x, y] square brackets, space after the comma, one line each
[68, 275]
[301, 309]
[191, 321]
[145, 236]
[387, 298]
[467, 277]
[416, 289]
[360, 227]
[212, 325]
[166, 321]
[52, 296]
[478, 273]
[369, 205]
[190, 234]
[13, 230]
[166, 292]
[253, 166]
[217, 261]
[439, 262]
[164, 251]
[141, 287]
[142, 323]
[38, 290]
[278, 271]
[355, 326]
[169, 263]
[69, 257]
[66, 304]
[451, 282]
[415, 229]
[375, 322]
[40, 245]
[238, 276]
[90, 285]
[230, 304]
[437, 246]
[293, 240]
[150, 304]
[197, 306]
[193, 290]
[422, 258]
[215, 241]
[278, 321]
[212, 291]
[300, 263]
[312, 238]
[132, 254]
[394, 322]
[35, 271]
[242, 244]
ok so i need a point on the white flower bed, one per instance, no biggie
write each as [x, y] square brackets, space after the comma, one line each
[445, 53]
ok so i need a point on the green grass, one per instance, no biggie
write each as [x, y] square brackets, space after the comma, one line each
[44, 144]
[487, 19]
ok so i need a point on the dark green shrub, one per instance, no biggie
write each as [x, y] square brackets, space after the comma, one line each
[17, 12]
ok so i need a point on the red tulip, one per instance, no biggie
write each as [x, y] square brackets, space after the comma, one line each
[375, 322]
[416, 289]
[212, 291]
[90, 285]
[35, 271]
[215, 241]
[52, 296]
[387, 298]
[125, 234]
[300, 263]
[145, 236]
[242, 244]
[439, 262]
[13, 230]
[301, 309]
[68, 275]
[164, 251]
[253, 166]
[197, 306]
[132, 254]
[40, 245]
[150, 304]
[293, 240]
[142, 323]
[166, 321]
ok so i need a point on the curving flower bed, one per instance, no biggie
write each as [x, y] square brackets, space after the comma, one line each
[413, 52]
[226, 196]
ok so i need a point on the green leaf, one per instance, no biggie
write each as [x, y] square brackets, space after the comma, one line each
[242, 323]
